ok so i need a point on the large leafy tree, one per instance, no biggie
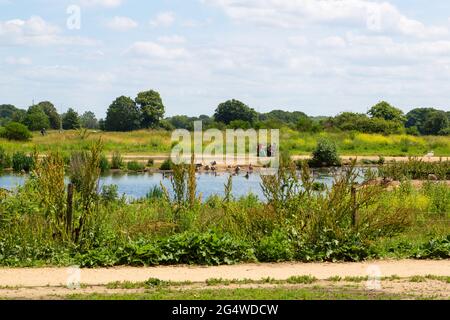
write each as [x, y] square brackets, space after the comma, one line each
[7, 111]
[435, 123]
[151, 107]
[385, 111]
[52, 114]
[123, 115]
[36, 119]
[283, 116]
[427, 120]
[71, 120]
[89, 121]
[232, 110]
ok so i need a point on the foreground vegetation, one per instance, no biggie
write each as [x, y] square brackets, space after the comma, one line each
[47, 223]
[154, 142]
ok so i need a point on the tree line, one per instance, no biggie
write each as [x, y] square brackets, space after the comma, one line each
[147, 111]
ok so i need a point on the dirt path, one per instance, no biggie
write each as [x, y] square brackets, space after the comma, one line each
[41, 277]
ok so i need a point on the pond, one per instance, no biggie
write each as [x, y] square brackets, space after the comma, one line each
[137, 185]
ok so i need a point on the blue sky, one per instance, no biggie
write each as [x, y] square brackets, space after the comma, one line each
[317, 56]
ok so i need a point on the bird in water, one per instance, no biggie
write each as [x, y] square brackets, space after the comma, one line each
[247, 176]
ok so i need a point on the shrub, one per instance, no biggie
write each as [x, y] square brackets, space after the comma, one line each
[166, 165]
[16, 131]
[104, 164]
[155, 193]
[117, 161]
[150, 163]
[135, 166]
[190, 248]
[325, 154]
[275, 248]
[438, 248]
[5, 159]
[22, 162]
[110, 193]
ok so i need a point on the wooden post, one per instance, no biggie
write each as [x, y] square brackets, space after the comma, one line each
[354, 206]
[69, 215]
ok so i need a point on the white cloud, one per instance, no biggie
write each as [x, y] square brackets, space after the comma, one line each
[101, 3]
[174, 39]
[23, 61]
[121, 24]
[369, 15]
[153, 49]
[298, 41]
[163, 19]
[332, 42]
[36, 31]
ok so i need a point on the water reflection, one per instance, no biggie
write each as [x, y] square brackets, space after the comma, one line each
[137, 185]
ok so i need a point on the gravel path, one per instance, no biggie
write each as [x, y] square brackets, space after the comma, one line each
[40, 277]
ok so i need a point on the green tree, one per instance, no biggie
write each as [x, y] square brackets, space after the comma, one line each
[284, 116]
[7, 111]
[123, 115]
[427, 120]
[151, 107]
[19, 116]
[435, 123]
[89, 121]
[387, 112]
[234, 110]
[52, 114]
[70, 120]
[36, 119]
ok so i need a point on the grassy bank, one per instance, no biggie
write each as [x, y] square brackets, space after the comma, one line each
[159, 142]
[43, 223]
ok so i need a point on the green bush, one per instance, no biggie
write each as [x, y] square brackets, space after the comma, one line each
[104, 164]
[5, 160]
[22, 162]
[166, 165]
[435, 249]
[117, 161]
[190, 248]
[325, 155]
[135, 166]
[110, 193]
[275, 248]
[16, 131]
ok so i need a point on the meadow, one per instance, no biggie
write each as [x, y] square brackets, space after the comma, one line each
[148, 142]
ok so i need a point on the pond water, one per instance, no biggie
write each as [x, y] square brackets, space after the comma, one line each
[137, 185]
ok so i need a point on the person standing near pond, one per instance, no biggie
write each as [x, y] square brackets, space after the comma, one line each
[269, 150]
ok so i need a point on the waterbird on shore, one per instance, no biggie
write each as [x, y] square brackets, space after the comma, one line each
[430, 154]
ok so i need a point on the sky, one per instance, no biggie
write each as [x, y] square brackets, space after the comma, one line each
[321, 57]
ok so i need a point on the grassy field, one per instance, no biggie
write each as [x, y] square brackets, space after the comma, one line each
[294, 288]
[248, 294]
[146, 142]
